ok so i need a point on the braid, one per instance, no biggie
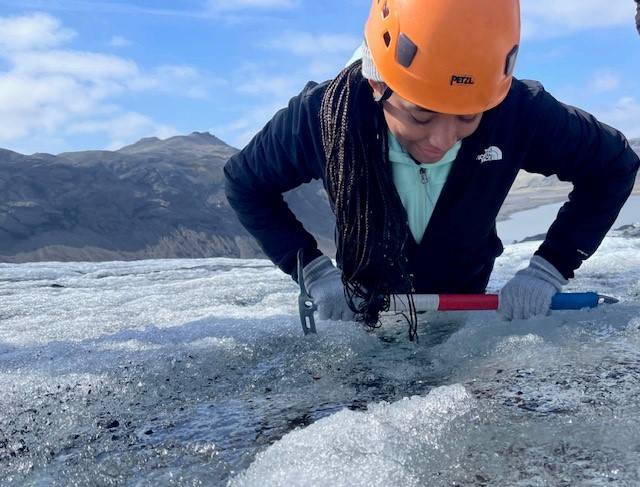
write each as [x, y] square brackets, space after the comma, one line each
[371, 229]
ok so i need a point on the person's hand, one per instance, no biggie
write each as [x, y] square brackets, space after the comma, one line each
[324, 284]
[529, 292]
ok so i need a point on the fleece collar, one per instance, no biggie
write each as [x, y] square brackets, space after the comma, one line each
[419, 185]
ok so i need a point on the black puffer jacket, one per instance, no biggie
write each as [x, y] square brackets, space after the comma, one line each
[529, 130]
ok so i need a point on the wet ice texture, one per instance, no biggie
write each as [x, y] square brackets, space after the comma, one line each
[195, 372]
[402, 443]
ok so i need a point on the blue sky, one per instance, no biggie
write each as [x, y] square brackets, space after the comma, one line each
[78, 75]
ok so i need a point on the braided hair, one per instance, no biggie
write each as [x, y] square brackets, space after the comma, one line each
[371, 229]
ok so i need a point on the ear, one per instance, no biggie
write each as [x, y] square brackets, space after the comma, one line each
[378, 88]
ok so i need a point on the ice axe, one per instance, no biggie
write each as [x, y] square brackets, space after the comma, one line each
[306, 305]
[447, 302]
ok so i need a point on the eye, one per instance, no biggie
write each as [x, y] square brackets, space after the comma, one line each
[468, 120]
[420, 122]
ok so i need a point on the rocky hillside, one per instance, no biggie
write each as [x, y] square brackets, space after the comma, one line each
[155, 199]
[533, 190]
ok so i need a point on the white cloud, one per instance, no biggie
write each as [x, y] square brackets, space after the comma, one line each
[322, 55]
[34, 31]
[239, 132]
[119, 41]
[551, 18]
[624, 115]
[120, 128]
[307, 44]
[311, 57]
[48, 91]
[604, 82]
[215, 6]
[280, 87]
[80, 65]
[185, 79]
[29, 105]
[95, 7]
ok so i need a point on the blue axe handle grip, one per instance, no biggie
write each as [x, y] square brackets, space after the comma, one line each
[575, 300]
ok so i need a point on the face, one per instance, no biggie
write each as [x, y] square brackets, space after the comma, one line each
[425, 135]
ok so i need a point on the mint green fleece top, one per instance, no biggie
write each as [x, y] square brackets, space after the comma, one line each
[419, 185]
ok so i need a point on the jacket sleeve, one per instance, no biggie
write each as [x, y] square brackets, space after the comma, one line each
[286, 153]
[599, 162]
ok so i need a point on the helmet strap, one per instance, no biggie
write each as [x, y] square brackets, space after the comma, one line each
[379, 98]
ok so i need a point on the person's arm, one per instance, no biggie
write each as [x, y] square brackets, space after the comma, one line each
[597, 159]
[599, 162]
[285, 154]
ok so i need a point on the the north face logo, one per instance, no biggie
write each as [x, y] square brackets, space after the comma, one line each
[492, 153]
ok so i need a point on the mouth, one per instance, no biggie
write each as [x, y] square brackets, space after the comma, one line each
[431, 153]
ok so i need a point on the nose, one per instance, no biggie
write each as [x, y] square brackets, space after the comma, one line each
[443, 134]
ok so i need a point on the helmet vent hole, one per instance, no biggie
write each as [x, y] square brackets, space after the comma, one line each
[511, 61]
[387, 39]
[385, 10]
[406, 50]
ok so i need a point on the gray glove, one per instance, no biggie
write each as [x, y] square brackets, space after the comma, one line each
[324, 283]
[529, 292]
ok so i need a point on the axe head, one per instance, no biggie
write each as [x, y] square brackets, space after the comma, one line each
[306, 305]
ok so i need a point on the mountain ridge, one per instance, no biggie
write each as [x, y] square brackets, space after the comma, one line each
[157, 199]
[152, 199]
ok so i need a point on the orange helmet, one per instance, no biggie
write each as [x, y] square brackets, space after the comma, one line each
[449, 56]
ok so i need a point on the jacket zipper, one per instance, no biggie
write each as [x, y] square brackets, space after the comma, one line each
[424, 178]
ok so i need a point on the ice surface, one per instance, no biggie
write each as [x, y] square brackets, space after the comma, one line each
[196, 372]
[402, 443]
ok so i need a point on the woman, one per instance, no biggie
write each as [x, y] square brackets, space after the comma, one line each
[418, 144]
